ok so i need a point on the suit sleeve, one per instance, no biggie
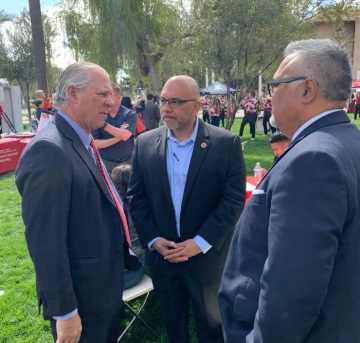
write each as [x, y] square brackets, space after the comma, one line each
[308, 211]
[140, 209]
[222, 220]
[43, 178]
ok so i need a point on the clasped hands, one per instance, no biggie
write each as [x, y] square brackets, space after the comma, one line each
[176, 252]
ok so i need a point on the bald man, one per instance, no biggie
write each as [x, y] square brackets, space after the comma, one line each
[187, 191]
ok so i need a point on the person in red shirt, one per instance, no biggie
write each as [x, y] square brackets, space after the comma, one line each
[267, 115]
[250, 107]
[39, 94]
[357, 108]
[222, 110]
[205, 103]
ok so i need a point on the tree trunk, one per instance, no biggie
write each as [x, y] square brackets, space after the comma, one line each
[38, 44]
[148, 64]
[28, 99]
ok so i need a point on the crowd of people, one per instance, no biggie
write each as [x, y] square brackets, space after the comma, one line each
[282, 268]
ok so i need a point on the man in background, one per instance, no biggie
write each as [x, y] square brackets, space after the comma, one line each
[115, 140]
[250, 110]
[292, 273]
[40, 94]
[151, 113]
[279, 143]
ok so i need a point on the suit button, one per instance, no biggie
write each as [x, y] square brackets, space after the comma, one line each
[118, 227]
[119, 253]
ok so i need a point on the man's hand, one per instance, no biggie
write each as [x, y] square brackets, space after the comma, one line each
[263, 171]
[189, 249]
[124, 126]
[165, 247]
[69, 330]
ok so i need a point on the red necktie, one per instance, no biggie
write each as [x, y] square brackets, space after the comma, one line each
[112, 191]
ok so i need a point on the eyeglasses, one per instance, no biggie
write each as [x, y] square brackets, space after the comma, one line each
[272, 84]
[173, 102]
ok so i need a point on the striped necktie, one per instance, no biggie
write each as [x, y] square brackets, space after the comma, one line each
[109, 184]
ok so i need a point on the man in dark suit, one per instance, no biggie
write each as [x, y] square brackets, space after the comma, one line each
[187, 191]
[73, 228]
[292, 273]
[151, 113]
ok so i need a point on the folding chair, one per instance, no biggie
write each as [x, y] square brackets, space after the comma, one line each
[243, 144]
[144, 287]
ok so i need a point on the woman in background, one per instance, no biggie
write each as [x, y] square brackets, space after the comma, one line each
[214, 111]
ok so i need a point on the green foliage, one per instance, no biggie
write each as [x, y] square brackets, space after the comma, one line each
[119, 34]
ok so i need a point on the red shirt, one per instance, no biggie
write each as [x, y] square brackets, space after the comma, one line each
[357, 99]
[1, 111]
[268, 106]
[46, 104]
[250, 106]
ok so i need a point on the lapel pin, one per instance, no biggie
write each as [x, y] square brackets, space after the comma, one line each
[203, 145]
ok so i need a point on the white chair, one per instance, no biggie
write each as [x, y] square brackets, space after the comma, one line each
[144, 287]
[243, 144]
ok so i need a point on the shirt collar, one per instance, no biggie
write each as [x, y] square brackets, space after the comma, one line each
[116, 115]
[192, 137]
[83, 135]
[312, 120]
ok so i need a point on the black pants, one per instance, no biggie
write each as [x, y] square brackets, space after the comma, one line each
[1, 126]
[174, 293]
[266, 120]
[251, 119]
[222, 117]
[99, 331]
[357, 110]
[215, 120]
[206, 117]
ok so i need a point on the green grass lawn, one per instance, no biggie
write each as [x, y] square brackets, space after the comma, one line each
[19, 320]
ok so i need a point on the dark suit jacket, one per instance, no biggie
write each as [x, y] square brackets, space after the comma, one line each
[292, 273]
[212, 203]
[151, 115]
[73, 229]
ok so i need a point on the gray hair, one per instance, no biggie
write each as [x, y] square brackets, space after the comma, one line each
[38, 93]
[77, 75]
[325, 61]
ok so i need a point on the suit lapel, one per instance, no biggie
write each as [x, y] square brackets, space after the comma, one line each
[160, 147]
[334, 118]
[201, 147]
[80, 149]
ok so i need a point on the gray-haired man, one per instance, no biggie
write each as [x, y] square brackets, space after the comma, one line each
[292, 272]
[76, 241]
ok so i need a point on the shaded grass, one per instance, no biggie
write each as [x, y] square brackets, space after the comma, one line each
[19, 320]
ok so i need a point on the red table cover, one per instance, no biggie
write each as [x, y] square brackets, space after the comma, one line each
[10, 151]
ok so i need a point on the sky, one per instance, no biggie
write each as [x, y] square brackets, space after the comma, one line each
[15, 6]
[62, 56]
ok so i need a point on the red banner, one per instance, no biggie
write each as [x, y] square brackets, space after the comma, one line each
[10, 151]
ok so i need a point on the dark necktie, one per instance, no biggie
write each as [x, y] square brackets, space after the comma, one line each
[111, 190]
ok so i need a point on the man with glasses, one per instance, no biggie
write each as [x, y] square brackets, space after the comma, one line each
[292, 273]
[186, 191]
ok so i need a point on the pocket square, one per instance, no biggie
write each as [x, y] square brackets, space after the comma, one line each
[258, 191]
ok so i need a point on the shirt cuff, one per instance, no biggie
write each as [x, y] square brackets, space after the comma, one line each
[152, 242]
[67, 316]
[202, 244]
